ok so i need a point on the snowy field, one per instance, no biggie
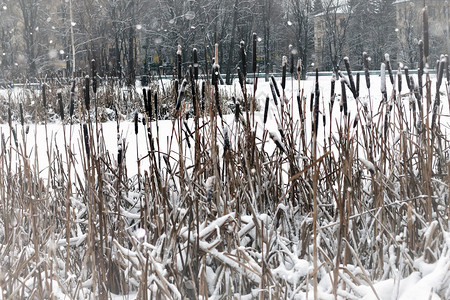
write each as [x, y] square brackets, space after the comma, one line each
[156, 225]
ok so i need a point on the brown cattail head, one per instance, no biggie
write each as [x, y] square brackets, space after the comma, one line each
[9, 116]
[421, 58]
[87, 96]
[240, 77]
[216, 53]
[283, 76]
[136, 123]
[274, 93]
[316, 104]
[181, 94]
[333, 93]
[266, 109]
[408, 81]
[61, 106]
[254, 54]
[243, 58]
[155, 101]
[399, 80]
[291, 66]
[203, 95]
[237, 111]
[299, 66]
[22, 120]
[275, 85]
[15, 137]
[72, 96]
[343, 97]
[44, 96]
[94, 76]
[358, 81]
[299, 106]
[86, 140]
[195, 55]
[350, 76]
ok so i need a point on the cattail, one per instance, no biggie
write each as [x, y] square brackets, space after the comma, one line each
[215, 76]
[44, 97]
[241, 78]
[61, 107]
[316, 104]
[255, 38]
[72, 96]
[195, 54]
[203, 95]
[274, 93]
[22, 121]
[399, 80]
[275, 85]
[408, 81]
[149, 103]
[277, 141]
[355, 122]
[437, 100]
[426, 47]
[155, 101]
[237, 111]
[299, 66]
[166, 160]
[144, 93]
[176, 85]
[383, 80]
[94, 76]
[243, 58]
[281, 131]
[343, 97]
[311, 101]
[210, 188]
[216, 96]
[299, 104]
[283, 77]
[179, 63]
[119, 153]
[86, 140]
[188, 132]
[350, 76]
[266, 109]
[9, 117]
[181, 94]
[3, 143]
[370, 166]
[366, 68]
[226, 140]
[87, 97]
[136, 123]
[358, 81]
[389, 68]
[412, 103]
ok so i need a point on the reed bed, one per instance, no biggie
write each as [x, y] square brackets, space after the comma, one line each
[225, 205]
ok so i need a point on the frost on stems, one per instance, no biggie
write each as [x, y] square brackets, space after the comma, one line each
[366, 69]
[283, 77]
[243, 58]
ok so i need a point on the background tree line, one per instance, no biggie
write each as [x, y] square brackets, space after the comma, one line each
[140, 37]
